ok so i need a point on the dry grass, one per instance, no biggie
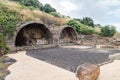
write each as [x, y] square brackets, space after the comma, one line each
[117, 36]
[25, 14]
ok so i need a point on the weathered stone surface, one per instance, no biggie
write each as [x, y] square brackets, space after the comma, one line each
[32, 34]
[88, 71]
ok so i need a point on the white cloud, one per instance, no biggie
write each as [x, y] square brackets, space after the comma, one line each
[68, 6]
[103, 12]
[46, 1]
[109, 3]
[115, 12]
[117, 25]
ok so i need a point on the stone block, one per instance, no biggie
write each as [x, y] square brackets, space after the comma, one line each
[88, 71]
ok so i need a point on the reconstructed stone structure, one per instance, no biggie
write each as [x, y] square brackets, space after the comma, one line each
[33, 34]
[37, 34]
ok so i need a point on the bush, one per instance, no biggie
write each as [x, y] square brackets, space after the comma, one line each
[75, 25]
[55, 14]
[108, 31]
[87, 30]
[3, 48]
[47, 8]
[8, 19]
[80, 28]
[31, 7]
[86, 21]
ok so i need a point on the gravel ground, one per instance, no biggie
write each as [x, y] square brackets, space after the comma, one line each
[69, 58]
[115, 51]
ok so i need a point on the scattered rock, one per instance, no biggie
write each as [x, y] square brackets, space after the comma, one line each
[2, 79]
[88, 71]
[9, 61]
[8, 72]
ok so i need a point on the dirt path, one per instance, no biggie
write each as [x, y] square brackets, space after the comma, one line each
[28, 68]
[110, 71]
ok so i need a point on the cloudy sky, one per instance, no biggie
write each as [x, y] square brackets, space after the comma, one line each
[101, 11]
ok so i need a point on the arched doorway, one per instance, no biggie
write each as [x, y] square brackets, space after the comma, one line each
[67, 35]
[33, 33]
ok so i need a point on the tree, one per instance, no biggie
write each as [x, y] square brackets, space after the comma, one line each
[36, 4]
[47, 8]
[108, 31]
[87, 21]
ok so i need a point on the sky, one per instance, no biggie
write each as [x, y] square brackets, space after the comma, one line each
[104, 12]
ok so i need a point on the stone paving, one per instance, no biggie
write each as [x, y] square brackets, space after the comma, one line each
[28, 68]
[70, 58]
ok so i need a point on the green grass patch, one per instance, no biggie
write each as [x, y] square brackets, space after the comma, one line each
[3, 68]
[8, 19]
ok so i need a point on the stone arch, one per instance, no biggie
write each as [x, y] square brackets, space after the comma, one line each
[33, 33]
[67, 34]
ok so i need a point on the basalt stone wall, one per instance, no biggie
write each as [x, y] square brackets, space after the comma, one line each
[34, 35]
[66, 34]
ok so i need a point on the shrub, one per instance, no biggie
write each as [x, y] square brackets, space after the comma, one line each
[86, 21]
[80, 28]
[87, 30]
[8, 20]
[47, 8]
[31, 7]
[75, 25]
[3, 48]
[55, 14]
[108, 31]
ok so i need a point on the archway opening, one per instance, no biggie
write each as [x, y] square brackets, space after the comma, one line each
[33, 34]
[68, 35]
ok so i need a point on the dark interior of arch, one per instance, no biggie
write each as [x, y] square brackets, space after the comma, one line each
[68, 35]
[33, 34]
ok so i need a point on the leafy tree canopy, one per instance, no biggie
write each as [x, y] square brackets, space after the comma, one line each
[86, 21]
[108, 31]
[47, 8]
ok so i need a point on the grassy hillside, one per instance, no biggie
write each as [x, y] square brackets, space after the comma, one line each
[12, 13]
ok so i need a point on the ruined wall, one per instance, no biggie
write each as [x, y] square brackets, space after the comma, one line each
[34, 34]
[68, 35]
